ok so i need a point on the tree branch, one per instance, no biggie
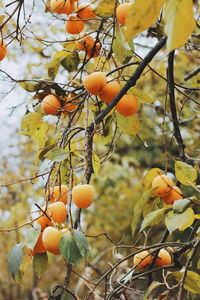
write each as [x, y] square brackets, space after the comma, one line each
[132, 81]
[177, 133]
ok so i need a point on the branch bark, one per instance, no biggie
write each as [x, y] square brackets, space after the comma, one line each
[177, 132]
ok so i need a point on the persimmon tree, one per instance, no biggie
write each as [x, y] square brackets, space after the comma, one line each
[110, 143]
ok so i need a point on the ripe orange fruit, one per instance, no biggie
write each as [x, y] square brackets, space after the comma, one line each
[127, 105]
[57, 211]
[62, 6]
[142, 259]
[94, 52]
[163, 183]
[51, 237]
[83, 195]
[110, 91]
[3, 50]
[39, 246]
[122, 12]
[173, 195]
[59, 193]
[95, 82]
[51, 105]
[74, 25]
[85, 12]
[163, 259]
[70, 105]
[44, 222]
[86, 43]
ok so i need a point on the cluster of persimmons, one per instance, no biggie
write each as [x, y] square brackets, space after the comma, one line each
[96, 84]
[53, 217]
[74, 24]
[165, 188]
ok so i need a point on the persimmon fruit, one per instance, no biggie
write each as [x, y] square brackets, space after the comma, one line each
[74, 25]
[51, 105]
[51, 237]
[59, 193]
[85, 43]
[163, 259]
[69, 106]
[3, 50]
[62, 6]
[44, 221]
[173, 195]
[127, 105]
[85, 12]
[163, 185]
[39, 246]
[57, 211]
[95, 82]
[83, 195]
[142, 259]
[110, 91]
[122, 12]
[94, 52]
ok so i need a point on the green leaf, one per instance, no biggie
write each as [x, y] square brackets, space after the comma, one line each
[177, 31]
[138, 209]
[40, 263]
[153, 218]
[57, 154]
[180, 205]
[30, 86]
[53, 68]
[181, 221]
[32, 236]
[150, 175]
[129, 125]
[142, 96]
[15, 259]
[105, 8]
[71, 61]
[185, 173]
[142, 15]
[81, 242]
[192, 280]
[121, 48]
[154, 285]
[30, 123]
[64, 173]
[69, 249]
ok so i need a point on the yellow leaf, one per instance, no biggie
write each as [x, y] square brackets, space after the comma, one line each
[142, 15]
[185, 173]
[30, 122]
[181, 221]
[142, 96]
[105, 8]
[180, 23]
[192, 280]
[150, 175]
[129, 125]
[96, 163]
